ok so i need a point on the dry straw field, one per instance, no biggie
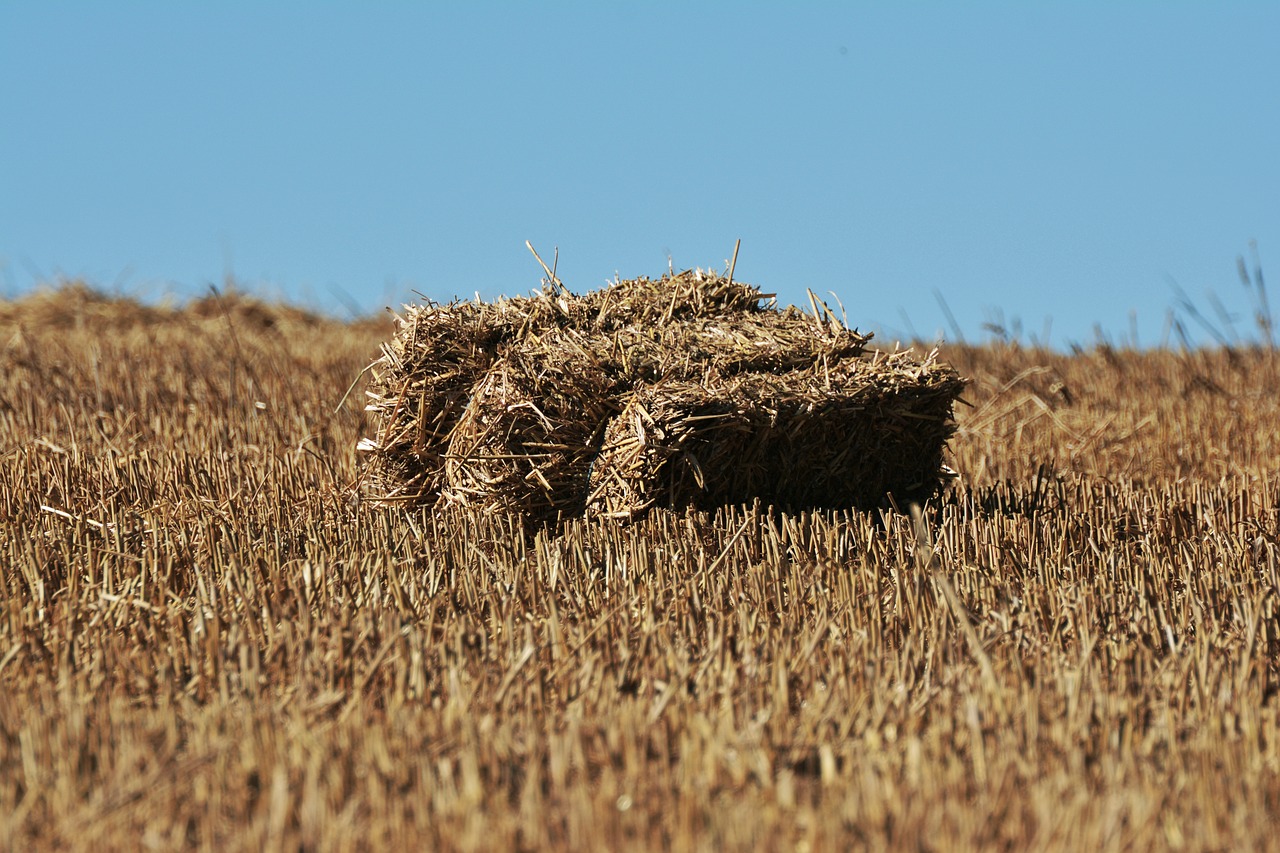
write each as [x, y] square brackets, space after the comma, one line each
[208, 639]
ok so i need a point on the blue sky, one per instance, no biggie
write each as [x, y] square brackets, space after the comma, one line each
[1048, 162]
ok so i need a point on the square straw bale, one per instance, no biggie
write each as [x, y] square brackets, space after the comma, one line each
[424, 380]
[845, 437]
[421, 386]
[525, 441]
[518, 405]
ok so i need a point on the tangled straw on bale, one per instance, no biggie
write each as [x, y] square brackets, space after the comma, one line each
[525, 441]
[422, 385]
[708, 349]
[692, 389]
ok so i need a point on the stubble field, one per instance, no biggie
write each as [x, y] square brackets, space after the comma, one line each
[208, 641]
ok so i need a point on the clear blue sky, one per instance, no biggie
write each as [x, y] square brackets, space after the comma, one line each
[1043, 160]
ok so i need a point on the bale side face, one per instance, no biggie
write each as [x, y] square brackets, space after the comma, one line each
[790, 443]
[527, 438]
[421, 387]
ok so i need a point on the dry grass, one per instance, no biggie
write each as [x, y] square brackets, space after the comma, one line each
[207, 642]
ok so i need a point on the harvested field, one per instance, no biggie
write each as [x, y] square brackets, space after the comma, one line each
[208, 640]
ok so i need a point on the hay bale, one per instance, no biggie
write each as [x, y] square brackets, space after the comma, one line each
[528, 435]
[814, 438]
[420, 388]
[424, 380]
[687, 390]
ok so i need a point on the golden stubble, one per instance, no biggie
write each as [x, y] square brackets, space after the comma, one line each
[207, 640]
